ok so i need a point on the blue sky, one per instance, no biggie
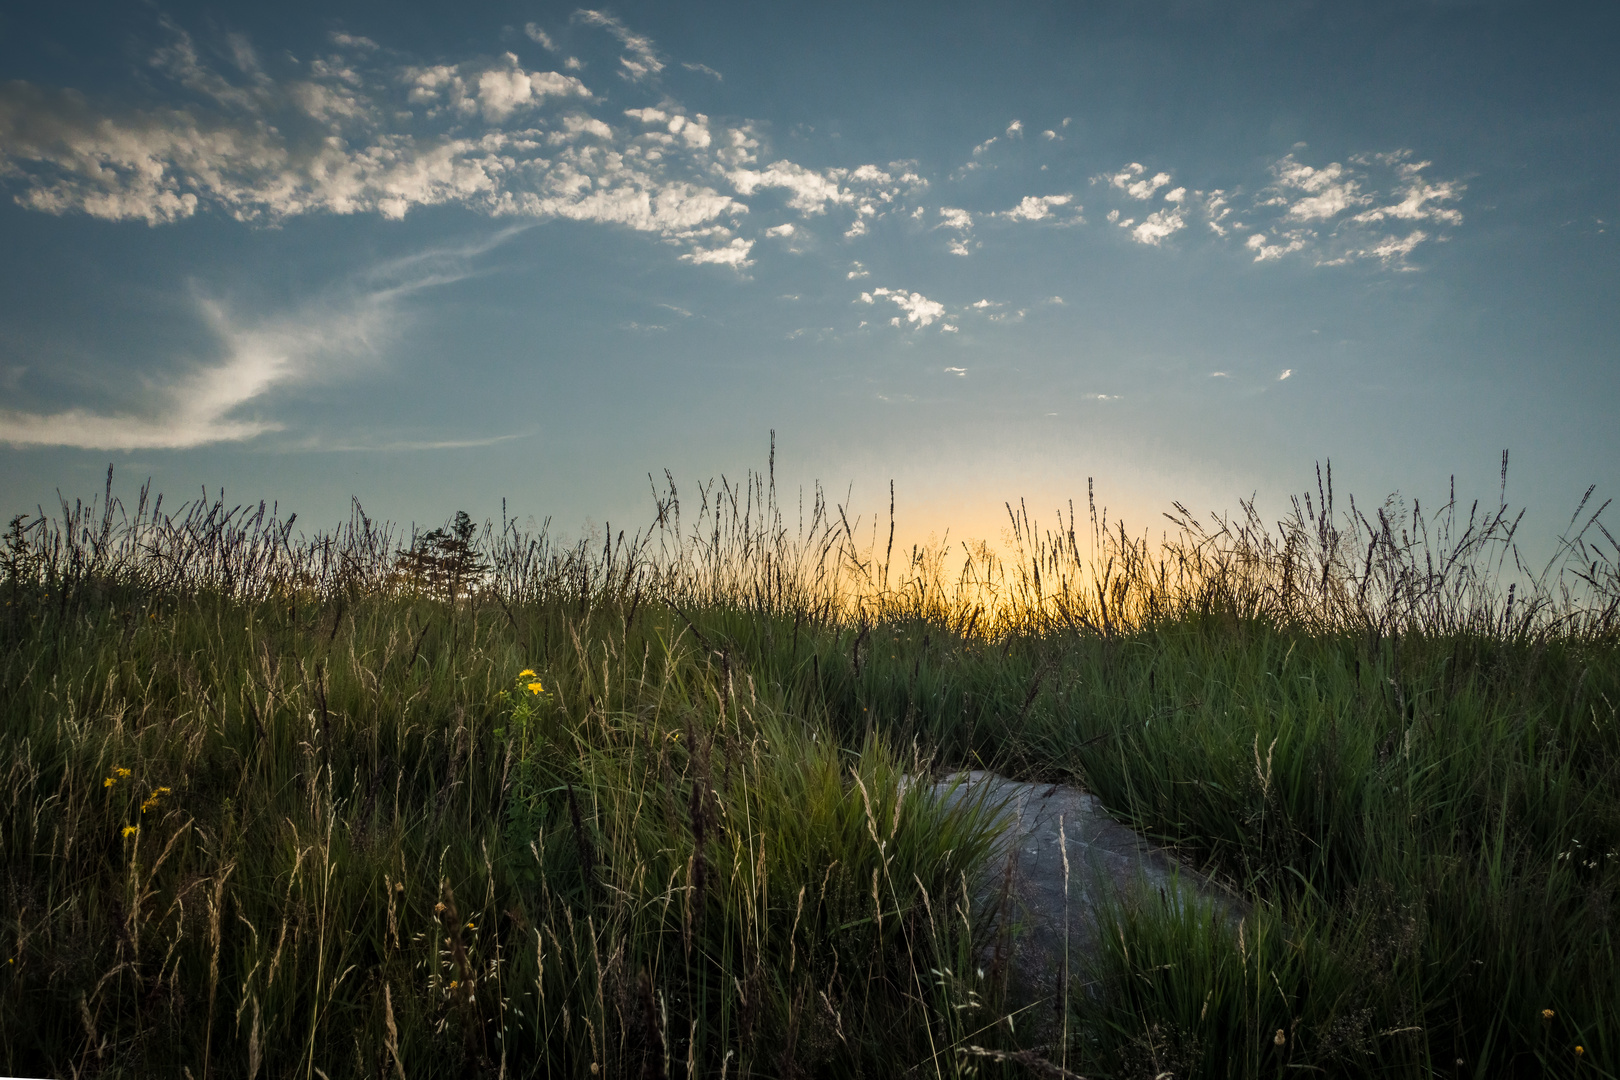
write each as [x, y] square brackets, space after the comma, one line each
[435, 258]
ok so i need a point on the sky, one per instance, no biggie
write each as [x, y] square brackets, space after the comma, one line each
[437, 257]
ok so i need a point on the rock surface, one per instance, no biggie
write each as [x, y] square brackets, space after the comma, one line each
[1037, 905]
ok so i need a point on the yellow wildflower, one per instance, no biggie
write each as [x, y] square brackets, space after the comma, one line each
[470, 926]
[1546, 1014]
[535, 688]
[525, 673]
[1579, 1050]
[131, 830]
[152, 799]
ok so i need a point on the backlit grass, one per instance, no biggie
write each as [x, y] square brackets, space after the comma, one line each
[279, 805]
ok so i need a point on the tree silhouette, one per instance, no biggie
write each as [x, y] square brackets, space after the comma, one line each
[445, 560]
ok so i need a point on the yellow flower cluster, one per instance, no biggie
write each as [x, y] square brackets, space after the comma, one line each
[534, 687]
[131, 830]
[152, 799]
[118, 773]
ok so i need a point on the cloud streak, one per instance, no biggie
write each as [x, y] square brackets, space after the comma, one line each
[254, 358]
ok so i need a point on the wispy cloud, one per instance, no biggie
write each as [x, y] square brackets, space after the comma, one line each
[394, 446]
[254, 358]
[640, 60]
[534, 33]
[199, 407]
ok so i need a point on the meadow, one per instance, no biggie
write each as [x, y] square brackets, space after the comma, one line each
[478, 803]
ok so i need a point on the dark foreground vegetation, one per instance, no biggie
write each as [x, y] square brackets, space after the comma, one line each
[470, 803]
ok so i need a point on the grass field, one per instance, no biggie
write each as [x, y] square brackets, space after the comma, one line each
[474, 803]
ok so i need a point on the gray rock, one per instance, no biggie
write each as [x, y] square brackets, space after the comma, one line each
[1035, 905]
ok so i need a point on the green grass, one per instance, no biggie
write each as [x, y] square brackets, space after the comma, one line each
[695, 851]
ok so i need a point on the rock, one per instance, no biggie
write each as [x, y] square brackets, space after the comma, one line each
[1024, 892]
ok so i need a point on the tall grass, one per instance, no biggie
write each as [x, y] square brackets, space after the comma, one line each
[282, 804]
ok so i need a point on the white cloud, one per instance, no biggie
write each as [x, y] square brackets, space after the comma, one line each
[1216, 210]
[360, 132]
[785, 229]
[1327, 212]
[1036, 207]
[1049, 134]
[1287, 372]
[1419, 198]
[1328, 191]
[1157, 226]
[577, 124]
[1393, 248]
[957, 371]
[1337, 192]
[497, 91]
[486, 135]
[917, 308]
[704, 69]
[1130, 182]
[982, 147]
[1263, 251]
[809, 191]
